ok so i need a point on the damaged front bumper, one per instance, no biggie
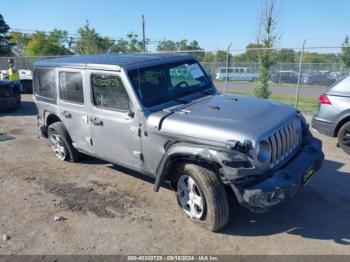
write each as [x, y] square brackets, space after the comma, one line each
[284, 183]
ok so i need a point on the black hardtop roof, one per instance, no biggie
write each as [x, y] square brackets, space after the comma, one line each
[120, 60]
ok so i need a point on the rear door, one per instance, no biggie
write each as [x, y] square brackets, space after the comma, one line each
[72, 106]
[114, 130]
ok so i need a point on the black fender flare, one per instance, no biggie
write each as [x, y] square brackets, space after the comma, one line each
[188, 152]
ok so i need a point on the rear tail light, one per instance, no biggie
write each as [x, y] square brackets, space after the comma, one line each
[324, 100]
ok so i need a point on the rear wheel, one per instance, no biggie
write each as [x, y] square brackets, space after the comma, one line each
[344, 137]
[201, 196]
[61, 143]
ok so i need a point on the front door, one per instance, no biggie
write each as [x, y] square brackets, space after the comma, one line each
[114, 130]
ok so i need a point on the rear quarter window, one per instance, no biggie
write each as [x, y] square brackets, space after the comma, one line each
[45, 83]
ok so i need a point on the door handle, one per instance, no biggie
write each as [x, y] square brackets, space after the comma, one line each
[66, 114]
[96, 121]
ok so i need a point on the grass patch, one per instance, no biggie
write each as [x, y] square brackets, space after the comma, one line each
[307, 104]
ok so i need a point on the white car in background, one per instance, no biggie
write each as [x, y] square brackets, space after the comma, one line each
[236, 74]
[25, 74]
[26, 78]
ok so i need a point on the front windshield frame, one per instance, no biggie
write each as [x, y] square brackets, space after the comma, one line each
[136, 84]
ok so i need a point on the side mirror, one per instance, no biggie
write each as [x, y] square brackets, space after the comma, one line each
[210, 77]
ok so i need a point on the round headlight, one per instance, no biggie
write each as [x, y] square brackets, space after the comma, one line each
[264, 151]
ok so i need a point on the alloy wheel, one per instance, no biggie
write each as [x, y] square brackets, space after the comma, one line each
[58, 147]
[190, 197]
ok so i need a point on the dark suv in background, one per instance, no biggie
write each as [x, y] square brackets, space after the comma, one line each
[333, 116]
[10, 95]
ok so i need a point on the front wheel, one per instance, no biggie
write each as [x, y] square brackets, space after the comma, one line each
[201, 196]
[344, 137]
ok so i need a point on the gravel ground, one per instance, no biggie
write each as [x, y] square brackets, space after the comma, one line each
[110, 210]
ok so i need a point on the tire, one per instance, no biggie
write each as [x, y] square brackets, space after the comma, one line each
[344, 137]
[62, 143]
[214, 213]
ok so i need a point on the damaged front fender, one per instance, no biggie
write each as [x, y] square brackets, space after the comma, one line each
[215, 156]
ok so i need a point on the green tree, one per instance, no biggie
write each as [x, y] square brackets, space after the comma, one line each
[5, 40]
[345, 53]
[208, 57]
[313, 57]
[129, 45]
[134, 45]
[121, 46]
[194, 46]
[267, 35]
[221, 56]
[20, 41]
[90, 42]
[285, 56]
[166, 46]
[182, 45]
[52, 43]
[250, 55]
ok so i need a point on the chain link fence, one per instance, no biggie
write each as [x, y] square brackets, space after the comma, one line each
[240, 78]
[282, 73]
[23, 62]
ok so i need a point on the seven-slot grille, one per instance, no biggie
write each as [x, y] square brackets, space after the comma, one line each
[285, 141]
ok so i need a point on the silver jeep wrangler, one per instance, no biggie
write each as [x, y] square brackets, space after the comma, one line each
[160, 115]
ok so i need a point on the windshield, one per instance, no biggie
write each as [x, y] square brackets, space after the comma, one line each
[162, 83]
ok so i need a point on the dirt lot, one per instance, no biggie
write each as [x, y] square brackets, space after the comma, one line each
[110, 210]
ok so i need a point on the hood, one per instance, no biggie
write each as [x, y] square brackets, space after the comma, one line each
[224, 117]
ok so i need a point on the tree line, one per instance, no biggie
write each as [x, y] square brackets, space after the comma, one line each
[89, 41]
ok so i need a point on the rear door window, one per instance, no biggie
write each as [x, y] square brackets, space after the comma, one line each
[45, 83]
[71, 87]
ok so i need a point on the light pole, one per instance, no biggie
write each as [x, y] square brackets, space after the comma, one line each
[227, 58]
[299, 75]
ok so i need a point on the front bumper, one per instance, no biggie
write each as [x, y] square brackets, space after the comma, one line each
[323, 127]
[284, 183]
